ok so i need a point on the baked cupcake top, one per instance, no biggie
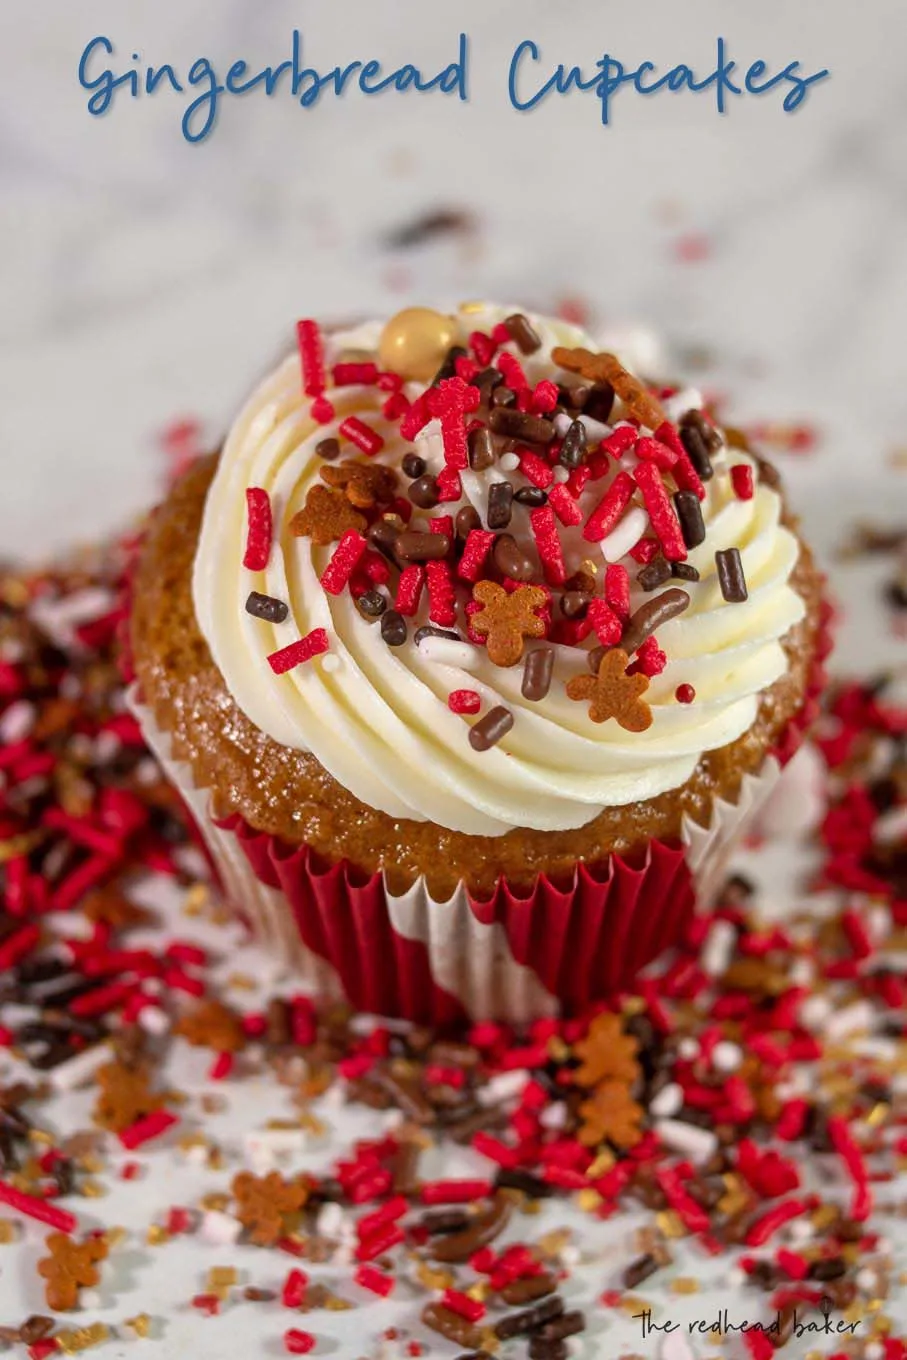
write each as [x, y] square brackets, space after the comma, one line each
[486, 575]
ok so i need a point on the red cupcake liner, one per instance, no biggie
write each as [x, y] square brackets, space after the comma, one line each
[514, 956]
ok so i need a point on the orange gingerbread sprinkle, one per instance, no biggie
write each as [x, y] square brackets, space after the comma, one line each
[614, 694]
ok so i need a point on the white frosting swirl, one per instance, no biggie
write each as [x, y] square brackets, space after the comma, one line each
[377, 717]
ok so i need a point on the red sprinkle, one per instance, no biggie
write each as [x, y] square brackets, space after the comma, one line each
[294, 1288]
[260, 529]
[536, 469]
[683, 472]
[742, 481]
[617, 589]
[376, 1281]
[661, 513]
[479, 543]
[605, 622]
[564, 506]
[303, 649]
[471, 1309]
[311, 353]
[409, 589]
[143, 1130]
[296, 1342]
[684, 694]
[343, 563]
[362, 435]
[455, 1192]
[653, 451]
[354, 375]
[60, 1219]
[544, 531]
[607, 513]
[463, 701]
[441, 597]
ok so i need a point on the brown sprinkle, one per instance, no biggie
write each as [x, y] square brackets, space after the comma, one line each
[489, 730]
[521, 425]
[650, 616]
[538, 669]
[523, 333]
[412, 546]
[730, 575]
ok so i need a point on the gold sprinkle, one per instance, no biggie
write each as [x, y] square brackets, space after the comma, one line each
[551, 1244]
[670, 1224]
[634, 1303]
[589, 1200]
[684, 1284]
[242, 982]
[114, 1236]
[558, 1051]
[17, 846]
[196, 900]
[140, 1324]
[433, 1278]
[9, 1231]
[335, 1304]
[490, 1342]
[216, 1201]
[156, 1235]
[80, 1338]
[878, 1114]
[603, 1162]
[92, 1189]
[221, 1280]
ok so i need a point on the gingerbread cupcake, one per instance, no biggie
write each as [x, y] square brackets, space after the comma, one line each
[473, 654]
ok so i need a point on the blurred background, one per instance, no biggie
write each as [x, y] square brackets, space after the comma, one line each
[147, 282]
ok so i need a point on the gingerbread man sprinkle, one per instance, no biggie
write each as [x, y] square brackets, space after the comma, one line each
[606, 1052]
[614, 694]
[71, 1266]
[364, 484]
[326, 516]
[638, 401]
[125, 1095]
[610, 1113]
[507, 619]
[265, 1203]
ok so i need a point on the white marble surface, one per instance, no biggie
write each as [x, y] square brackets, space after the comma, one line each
[145, 280]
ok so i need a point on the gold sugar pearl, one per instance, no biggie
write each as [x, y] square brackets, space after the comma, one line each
[415, 341]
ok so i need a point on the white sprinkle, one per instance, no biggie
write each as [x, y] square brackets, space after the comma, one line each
[891, 826]
[688, 1049]
[860, 1015]
[718, 948]
[90, 1299]
[667, 1102]
[276, 1142]
[219, 1228]
[78, 1071]
[560, 474]
[866, 1280]
[800, 1230]
[554, 1116]
[626, 535]
[814, 1012]
[330, 662]
[687, 399]
[154, 1020]
[447, 652]
[726, 1057]
[17, 722]
[106, 748]
[802, 972]
[509, 462]
[688, 1139]
[505, 1086]
[334, 1222]
[874, 1351]
[60, 618]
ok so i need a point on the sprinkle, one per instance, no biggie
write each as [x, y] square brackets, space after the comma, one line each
[60, 1219]
[393, 628]
[451, 400]
[328, 449]
[605, 622]
[730, 575]
[266, 607]
[513, 424]
[311, 354]
[661, 514]
[375, 1281]
[683, 471]
[653, 451]
[689, 513]
[448, 652]
[479, 543]
[538, 669]
[544, 531]
[442, 600]
[650, 659]
[654, 575]
[294, 1288]
[573, 446]
[607, 513]
[649, 617]
[143, 1130]
[486, 733]
[742, 481]
[343, 562]
[409, 590]
[296, 1342]
[523, 333]
[564, 506]
[500, 505]
[463, 701]
[684, 694]
[258, 536]
[303, 649]
[473, 1310]
[765, 1226]
[617, 589]
[353, 375]
[362, 435]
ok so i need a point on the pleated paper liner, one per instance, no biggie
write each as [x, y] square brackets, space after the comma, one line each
[515, 956]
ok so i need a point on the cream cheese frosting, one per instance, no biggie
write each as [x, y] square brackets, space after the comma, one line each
[377, 717]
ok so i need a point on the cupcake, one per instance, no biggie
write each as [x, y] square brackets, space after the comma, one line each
[473, 654]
